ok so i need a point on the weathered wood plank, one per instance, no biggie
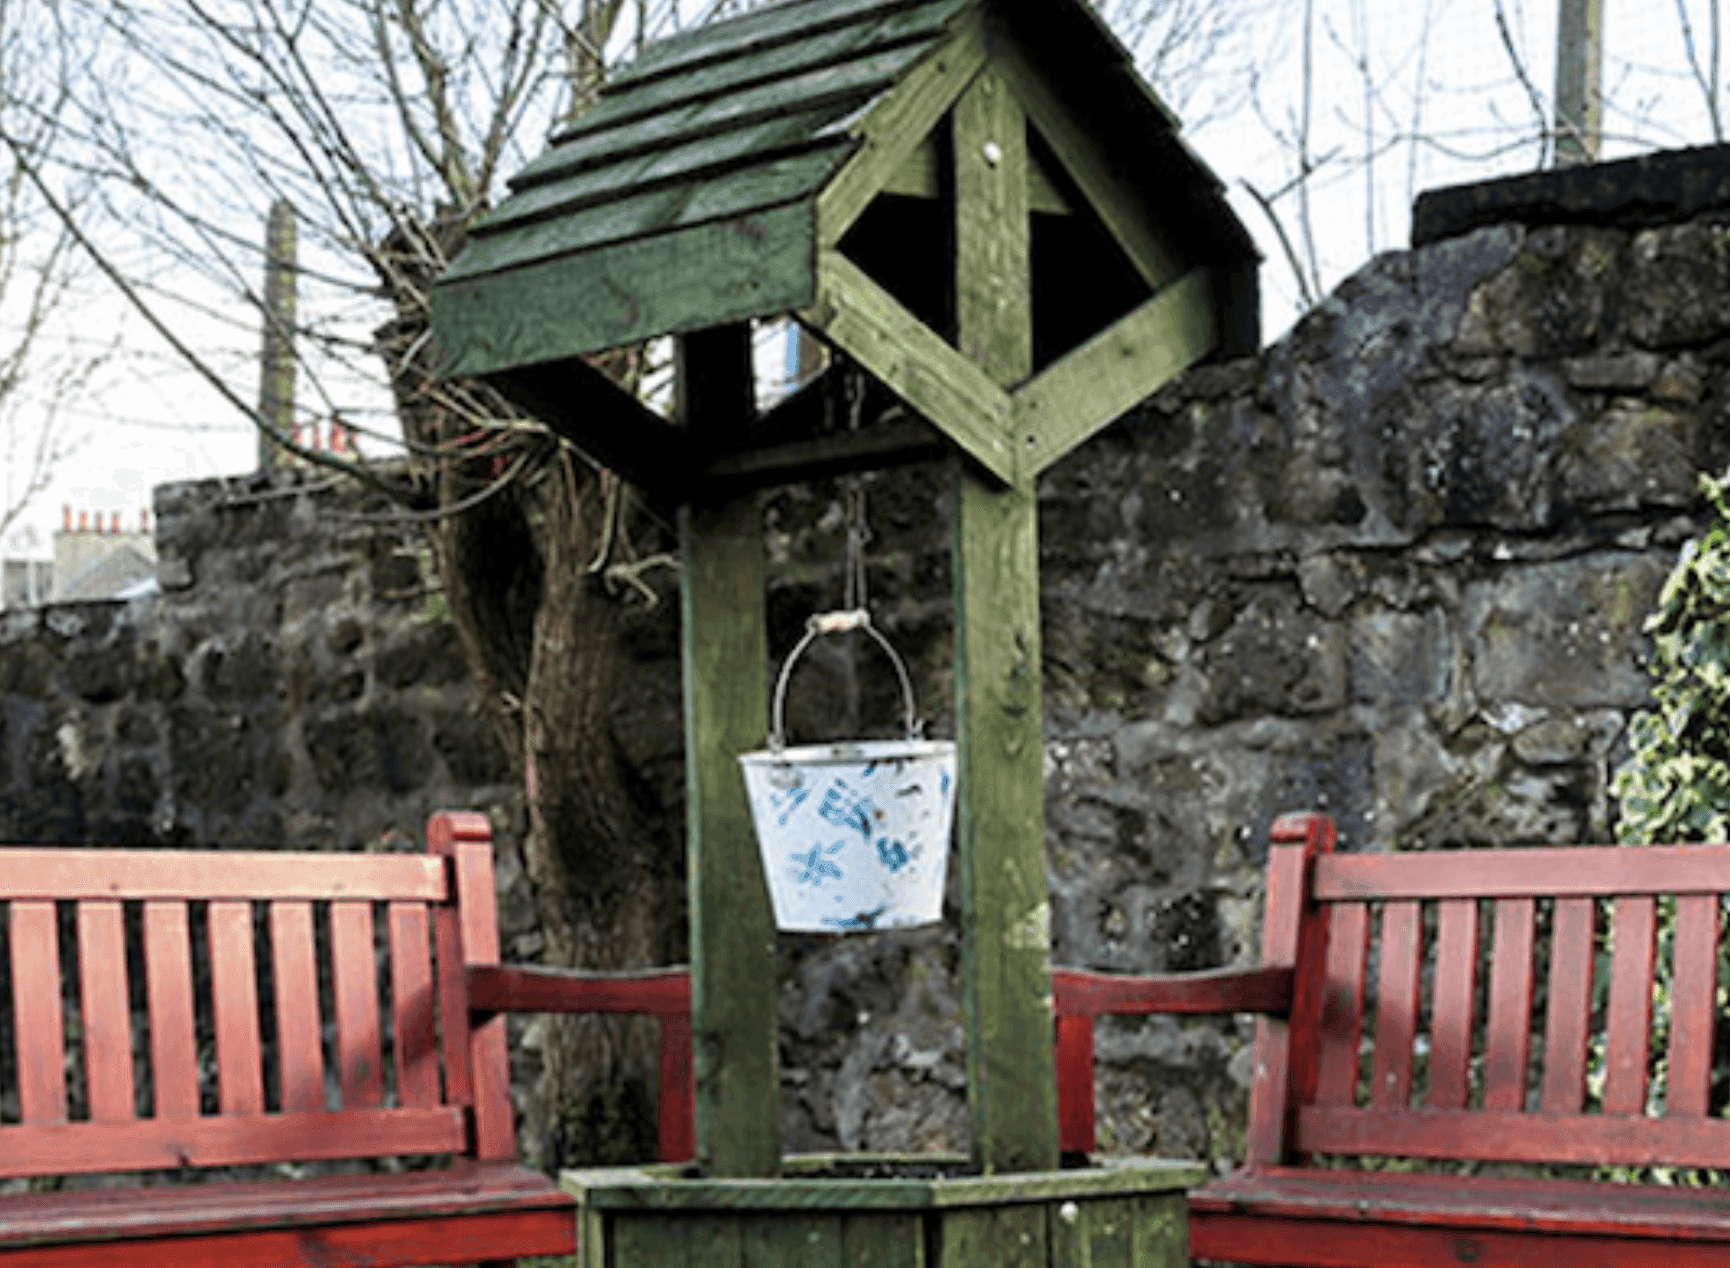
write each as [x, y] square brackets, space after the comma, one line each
[299, 1032]
[71, 874]
[1396, 1006]
[654, 213]
[1512, 1136]
[994, 1237]
[725, 661]
[525, 988]
[105, 1011]
[359, 1043]
[168, 991]
[1507, 1043]
[1451, 1013]
[636, 1240]
[414, 1045]
[1282, 930]
[813, 52]
[919, 176]
[1107, 1228]
[730, 270]
[1074, 1060]
[1116, 369]
[1552, 871]
[792, 1239]
[402, 1241]
[226, 1140]
[555, 193]
[483, 1073]
[40, 1029]
[1005, 911]
[1568, 1011]
[1693, 994]
[890, 1240]
[1161, 1232]
[234, 997]
[1081, 993]
[896, 126]
[1123, 210]
[959, 398]
[1628, 1030]
[1343, 1018]
[848, 85]
[993, 290]
[749, 34]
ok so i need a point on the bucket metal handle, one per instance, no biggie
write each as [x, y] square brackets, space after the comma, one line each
[839, 623]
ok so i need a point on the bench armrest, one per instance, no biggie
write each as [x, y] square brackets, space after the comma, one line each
[1079, 993]
[516, 988]
[664, 994]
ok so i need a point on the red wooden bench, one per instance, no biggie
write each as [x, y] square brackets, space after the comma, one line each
[1463, 1064]
[397, 945]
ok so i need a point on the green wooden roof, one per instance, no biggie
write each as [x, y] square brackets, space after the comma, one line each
[686, 197]
[721, 177]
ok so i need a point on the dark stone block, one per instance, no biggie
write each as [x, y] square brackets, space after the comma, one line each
[395, 576]
[101, 675]
[424, 654]
[245, 670]
[210, 757]
[368, 747]
[138, 789]
[471, 750]
[1652, 189]
[136, 726]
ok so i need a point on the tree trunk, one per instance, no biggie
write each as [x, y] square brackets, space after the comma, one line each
[543, 637]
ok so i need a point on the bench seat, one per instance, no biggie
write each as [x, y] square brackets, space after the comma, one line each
[1422, 1218]
[1467, 1008]
[465, 1213]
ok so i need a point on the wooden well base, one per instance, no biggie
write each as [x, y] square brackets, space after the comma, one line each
[896, 1211]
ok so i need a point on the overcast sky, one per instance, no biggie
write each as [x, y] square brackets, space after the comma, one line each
[1403, 97]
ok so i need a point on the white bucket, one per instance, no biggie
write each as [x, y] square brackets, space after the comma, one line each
[854, 836]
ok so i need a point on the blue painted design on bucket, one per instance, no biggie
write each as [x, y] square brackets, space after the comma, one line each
[847, 809]
[815, 866]
[892, 853]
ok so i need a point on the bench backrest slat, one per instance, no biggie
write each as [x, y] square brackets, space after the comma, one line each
[1551, 872]
[37, 1022]
[1397, 1013]
[168, 990]
[344, 942]
[359, 1044]
[1568, 1012]
[1693, 1001]
[105, 1013]
[411, 985]
[299, 1041]
[1628, 1040]
[1508, 1044]
[1462, 1068]
[1343, 1018]
[1455, 994]
[234, 1001]
[227, 1140]
[70, 874]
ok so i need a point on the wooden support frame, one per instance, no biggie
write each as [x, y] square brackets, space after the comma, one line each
[1000, 724]
[896, 127]
[724, 638]
[871, 326]
[1116, 369]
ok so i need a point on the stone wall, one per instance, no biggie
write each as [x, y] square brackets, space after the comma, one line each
[1395, 569]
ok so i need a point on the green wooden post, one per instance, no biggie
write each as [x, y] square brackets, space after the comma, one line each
[725, 649]
[1005, 910]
